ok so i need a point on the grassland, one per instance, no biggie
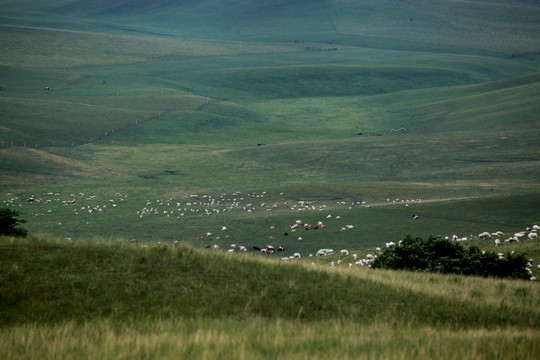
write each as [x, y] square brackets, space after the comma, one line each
[109, 300]
[168, 121]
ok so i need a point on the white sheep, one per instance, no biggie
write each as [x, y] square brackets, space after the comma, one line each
[344, 252]
[324, 252]
[296, 255]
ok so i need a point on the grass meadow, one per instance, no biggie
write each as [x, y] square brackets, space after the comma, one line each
[204, 125]
[110, 300]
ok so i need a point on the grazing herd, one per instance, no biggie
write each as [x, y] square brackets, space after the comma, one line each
[201, 206]
[80, 203]
[531, 233]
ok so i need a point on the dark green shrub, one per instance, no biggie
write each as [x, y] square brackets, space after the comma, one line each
[449, 257]
[9, 222]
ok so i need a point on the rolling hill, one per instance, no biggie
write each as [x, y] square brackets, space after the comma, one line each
[143, 139]
[332, 102]
[121, 300]
[509, 27]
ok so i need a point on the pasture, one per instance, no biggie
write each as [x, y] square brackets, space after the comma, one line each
[113, 300]
[193, 124]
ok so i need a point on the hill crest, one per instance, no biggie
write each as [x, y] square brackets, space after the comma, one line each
[508, 27]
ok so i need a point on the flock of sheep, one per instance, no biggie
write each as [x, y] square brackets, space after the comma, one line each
[206, 205]
[201, 206]
[189, 205]
[530, 233]
[51, 200]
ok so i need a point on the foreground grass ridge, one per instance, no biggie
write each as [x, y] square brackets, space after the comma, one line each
[81, 289]
[54, 282]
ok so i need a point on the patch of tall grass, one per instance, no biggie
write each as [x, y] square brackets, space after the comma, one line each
[260, 338]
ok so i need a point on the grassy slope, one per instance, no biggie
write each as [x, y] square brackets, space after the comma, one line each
[499, 165]
[188, 115]
[102, 287]
[265, 98]
[508, 27]
[202, 19]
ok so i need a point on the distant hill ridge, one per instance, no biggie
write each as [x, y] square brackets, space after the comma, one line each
[510, 27]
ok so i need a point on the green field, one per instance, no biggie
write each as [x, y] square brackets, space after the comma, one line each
[168, 121]
[111, 300]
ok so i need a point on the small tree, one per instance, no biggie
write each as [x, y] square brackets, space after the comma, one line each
[9, 222]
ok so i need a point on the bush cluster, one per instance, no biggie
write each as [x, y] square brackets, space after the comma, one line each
[449, 257]
[9, 223]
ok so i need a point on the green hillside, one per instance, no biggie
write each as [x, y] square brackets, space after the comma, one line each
[348, 105]
[82, 299]
[182, 282]
[145, 140]
[509, 27]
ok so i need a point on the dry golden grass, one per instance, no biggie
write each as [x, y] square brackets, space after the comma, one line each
[261, 339]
